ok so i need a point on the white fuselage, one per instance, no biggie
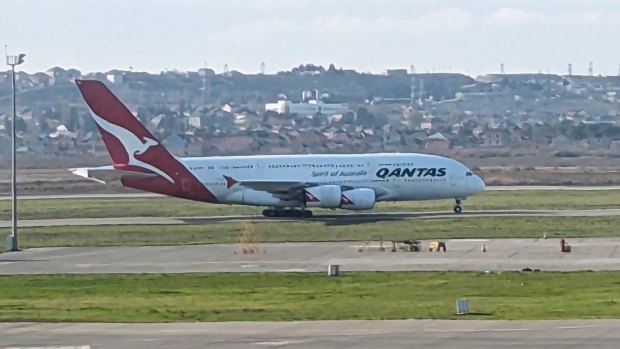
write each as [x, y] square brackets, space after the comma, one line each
[393, 177]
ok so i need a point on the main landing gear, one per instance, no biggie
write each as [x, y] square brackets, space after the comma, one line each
[457, 206]
[287, 213]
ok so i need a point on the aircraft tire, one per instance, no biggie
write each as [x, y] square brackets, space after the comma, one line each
[289, 213]
[458, 209]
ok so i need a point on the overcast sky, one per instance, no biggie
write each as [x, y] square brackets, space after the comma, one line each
[472, 36]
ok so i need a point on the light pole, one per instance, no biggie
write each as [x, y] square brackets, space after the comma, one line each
[13, 61]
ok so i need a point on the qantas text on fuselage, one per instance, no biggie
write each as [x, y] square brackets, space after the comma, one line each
[285, 184]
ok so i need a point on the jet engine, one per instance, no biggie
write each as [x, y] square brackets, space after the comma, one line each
[326, 196]
[358, 199]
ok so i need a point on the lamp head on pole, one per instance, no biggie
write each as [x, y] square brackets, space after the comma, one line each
[15, 60]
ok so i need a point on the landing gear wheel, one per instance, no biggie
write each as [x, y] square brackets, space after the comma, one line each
[458, 209]
[272, 213]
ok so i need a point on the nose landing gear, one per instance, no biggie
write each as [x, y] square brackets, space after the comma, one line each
[457, 206]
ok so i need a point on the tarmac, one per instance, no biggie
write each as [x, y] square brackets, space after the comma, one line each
[352, 217]
[439, 334]
[460, 255]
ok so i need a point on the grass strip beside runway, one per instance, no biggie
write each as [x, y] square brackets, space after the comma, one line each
[333, 230]
[291, 296]
[171, 207]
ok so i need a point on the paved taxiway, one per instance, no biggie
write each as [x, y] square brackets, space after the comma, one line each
[440, 334]
[462, 254]
[370, 216]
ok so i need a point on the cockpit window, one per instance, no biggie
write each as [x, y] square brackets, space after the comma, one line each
[468, 174]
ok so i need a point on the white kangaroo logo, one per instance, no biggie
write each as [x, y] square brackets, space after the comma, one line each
[133, 144]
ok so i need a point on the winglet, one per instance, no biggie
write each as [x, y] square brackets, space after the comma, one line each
[311, 198]
[230, 181]
[345, 200]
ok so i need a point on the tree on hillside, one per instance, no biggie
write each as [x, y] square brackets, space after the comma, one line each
[73, 121]
[20, 124]
[366, 118]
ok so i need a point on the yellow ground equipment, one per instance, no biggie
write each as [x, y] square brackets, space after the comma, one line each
[436, 246]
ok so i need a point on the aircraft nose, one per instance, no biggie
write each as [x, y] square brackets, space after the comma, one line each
[477, 184]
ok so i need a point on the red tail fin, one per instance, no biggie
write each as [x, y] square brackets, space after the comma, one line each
[133, 148]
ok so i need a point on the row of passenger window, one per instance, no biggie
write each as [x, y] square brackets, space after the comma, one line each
[397, 164]
[316, 166]
[238, 167]
[425, 179]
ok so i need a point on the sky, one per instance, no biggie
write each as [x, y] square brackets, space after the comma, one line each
[472, 37]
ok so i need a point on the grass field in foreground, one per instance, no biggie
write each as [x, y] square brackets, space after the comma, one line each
[171, 207]
[336, 230]
[290, 296]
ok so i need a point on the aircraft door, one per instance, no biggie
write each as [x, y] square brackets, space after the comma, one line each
[457, 179]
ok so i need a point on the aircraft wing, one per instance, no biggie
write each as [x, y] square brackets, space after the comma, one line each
[284, 189]
[275, 187]
[105, 174]
[279, 188]
[287, 189]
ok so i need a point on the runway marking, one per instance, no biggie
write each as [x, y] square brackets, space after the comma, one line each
[510, 330]
[79, 254]
[53, 347]
[484, 330]
[8, 262]
[469, 240]
[575, 327]
[91, 265]
[279, 343]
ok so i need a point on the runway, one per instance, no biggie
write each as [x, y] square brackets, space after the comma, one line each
[440, 334]
[370, 217]
[461, 255]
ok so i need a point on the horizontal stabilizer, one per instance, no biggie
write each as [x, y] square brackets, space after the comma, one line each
[106, 174]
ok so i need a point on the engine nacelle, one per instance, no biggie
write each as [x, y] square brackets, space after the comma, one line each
[358, 199]
[326, 196]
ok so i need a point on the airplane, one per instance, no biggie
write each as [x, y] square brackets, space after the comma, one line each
[286, 185]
